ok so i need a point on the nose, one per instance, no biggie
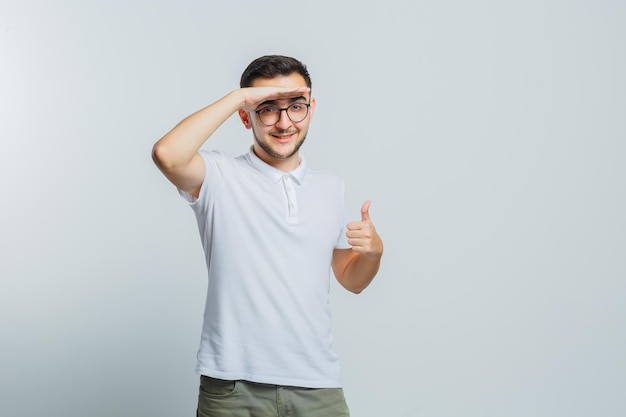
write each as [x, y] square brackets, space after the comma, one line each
[283, 120]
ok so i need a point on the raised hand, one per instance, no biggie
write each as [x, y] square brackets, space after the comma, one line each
[253, 96]
[362, 235]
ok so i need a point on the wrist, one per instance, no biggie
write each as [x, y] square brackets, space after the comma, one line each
[237, 98]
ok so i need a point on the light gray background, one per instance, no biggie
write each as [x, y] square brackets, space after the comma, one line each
[488, 134]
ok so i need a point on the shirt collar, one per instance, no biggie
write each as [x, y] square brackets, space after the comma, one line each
[274, 174]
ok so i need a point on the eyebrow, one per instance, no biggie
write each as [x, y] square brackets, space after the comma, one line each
[275, 102]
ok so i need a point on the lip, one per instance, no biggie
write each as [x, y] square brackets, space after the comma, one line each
[283, 138]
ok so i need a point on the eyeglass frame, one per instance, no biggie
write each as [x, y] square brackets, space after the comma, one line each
[280, 113]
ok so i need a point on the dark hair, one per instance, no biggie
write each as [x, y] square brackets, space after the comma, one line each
[270, 66]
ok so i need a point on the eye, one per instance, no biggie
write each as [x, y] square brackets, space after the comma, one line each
[267, 110]
[297, 107]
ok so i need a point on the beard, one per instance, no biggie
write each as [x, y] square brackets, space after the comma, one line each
[267, 148]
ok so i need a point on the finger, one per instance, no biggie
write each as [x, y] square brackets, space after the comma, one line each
[257, 95]
[355, 225]
[361, 245]
[359, 233]
[302, 89]
[357, 242]
[365, 215]
[289, 92]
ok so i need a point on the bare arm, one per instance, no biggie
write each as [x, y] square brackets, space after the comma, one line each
[356, 268]
[176, 153]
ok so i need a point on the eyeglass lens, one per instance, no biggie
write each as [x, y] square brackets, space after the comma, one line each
[271, 115]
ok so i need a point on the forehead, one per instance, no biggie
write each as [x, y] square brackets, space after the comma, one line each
[291, 80]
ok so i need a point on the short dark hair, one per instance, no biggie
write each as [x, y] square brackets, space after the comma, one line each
[270, 66]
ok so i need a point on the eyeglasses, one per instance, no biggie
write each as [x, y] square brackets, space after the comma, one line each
[270, 115]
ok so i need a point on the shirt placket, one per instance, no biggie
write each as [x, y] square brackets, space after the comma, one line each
[292, 200]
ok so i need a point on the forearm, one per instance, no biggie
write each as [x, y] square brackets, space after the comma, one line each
[359, 272]
[180, 144]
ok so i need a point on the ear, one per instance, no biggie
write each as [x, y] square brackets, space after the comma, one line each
[311, 108]
[245, 118]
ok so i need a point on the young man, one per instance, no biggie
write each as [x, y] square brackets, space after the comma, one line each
[271, 229]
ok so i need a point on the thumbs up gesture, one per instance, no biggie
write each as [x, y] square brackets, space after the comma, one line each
[362, 235]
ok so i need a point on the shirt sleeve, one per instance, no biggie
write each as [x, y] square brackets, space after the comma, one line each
[214, 162]
[342, 241]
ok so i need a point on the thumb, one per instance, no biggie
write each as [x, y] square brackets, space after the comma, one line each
[365, 215]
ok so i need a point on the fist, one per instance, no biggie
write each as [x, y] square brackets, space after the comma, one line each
[362, 235]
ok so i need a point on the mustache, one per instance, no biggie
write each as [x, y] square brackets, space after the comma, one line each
[285, 132]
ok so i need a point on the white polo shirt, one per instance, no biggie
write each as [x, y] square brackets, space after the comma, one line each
[268, 237]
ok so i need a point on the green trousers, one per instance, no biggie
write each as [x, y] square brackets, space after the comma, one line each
[221, 398]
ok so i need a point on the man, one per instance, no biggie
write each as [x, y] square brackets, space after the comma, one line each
[271, 230]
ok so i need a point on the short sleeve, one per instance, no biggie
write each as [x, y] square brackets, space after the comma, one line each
[214, 162]
[342, 241]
